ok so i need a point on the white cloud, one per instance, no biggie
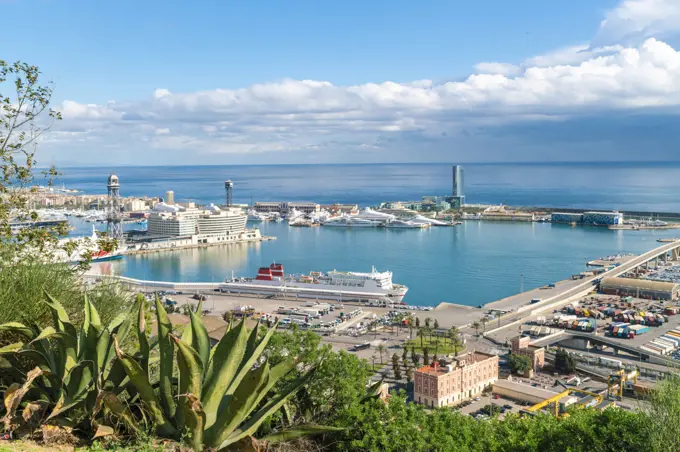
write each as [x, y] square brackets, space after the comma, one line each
[322, 117]
[497, 68]
[634, 20]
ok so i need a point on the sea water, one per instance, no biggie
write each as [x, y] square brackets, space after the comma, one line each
[473, 263]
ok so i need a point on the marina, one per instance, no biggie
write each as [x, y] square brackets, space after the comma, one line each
[470, 264]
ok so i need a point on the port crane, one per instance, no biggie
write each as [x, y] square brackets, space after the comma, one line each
[554, 402]
[618, 380]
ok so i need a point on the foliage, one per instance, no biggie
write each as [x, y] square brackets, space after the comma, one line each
[399, 426]
[58, 373]
[564, 362]
[664, 415]
[222, 395]
[395, 367]
[519, 364]
[339, 380]
[24, 116]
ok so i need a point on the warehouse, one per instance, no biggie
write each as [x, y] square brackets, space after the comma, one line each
[521, 392]
[640, 288]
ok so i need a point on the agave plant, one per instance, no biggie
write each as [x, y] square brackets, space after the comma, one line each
[60, 368]
[222, 394]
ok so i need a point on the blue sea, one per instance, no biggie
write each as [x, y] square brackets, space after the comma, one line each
[471, 264]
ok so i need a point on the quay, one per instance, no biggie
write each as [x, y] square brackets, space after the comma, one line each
[174, 246]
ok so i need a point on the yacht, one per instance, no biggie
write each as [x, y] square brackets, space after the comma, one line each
[255, 216]
[405, 224]
[351, 222]
[431, 221]
[374, 215]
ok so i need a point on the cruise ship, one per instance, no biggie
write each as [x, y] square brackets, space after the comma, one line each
[334, 285]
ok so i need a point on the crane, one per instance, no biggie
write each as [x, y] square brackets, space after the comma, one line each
[617, 381]
[553, 401]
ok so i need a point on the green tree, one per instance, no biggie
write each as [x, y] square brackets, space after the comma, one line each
[453, 332]
[421, 334]
[381, 349]
[428, 322]
[24, 117]
[564, 362]
[426, 357]
[395, 367]
[411, 325]
[404, 355]
[414, 356]
[417, 322]
[519, 364]
[663, 415]
[456, 344]
[409, 375]
[476, 327]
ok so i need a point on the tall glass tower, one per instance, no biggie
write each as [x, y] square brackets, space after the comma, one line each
[457, 187]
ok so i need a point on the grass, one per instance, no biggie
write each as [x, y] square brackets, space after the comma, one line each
[439, 344]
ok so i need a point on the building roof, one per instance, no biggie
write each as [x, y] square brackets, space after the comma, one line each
[521, 388]
[634, 284]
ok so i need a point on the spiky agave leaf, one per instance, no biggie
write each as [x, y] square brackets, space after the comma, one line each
[140, 381]
[166, 350]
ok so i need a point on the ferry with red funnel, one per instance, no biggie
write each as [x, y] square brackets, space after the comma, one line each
[335, 285]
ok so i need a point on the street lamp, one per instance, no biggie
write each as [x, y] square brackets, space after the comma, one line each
[521, 283]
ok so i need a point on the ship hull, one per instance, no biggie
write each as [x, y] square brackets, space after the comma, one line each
[314, 291]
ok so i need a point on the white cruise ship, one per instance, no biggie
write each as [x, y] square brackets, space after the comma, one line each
[334, 285]
[351, 222]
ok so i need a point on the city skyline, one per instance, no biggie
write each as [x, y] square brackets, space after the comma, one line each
[357, 83]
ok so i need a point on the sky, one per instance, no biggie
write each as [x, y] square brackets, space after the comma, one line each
[225, 82]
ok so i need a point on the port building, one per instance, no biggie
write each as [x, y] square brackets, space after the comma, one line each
[282, 208]
[566, 217]
[602, 218]
[640, 288]
[521, 345]
[466, 376]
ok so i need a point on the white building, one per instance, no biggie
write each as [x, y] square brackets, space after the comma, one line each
[134, 205]
[176, 221]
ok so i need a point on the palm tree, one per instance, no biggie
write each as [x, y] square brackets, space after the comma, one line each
[476, 326]
[456, 343]
[421, 333]
[381, 349]
[453, 333]
[428, 320]
[373, 358]
[417, 322]
[410, 326]
[484, 322]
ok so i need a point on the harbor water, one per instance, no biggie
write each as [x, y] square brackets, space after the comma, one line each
[472, 264]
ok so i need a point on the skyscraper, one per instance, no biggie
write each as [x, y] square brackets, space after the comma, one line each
[458, 181]
[457, 199]
[228, 188]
